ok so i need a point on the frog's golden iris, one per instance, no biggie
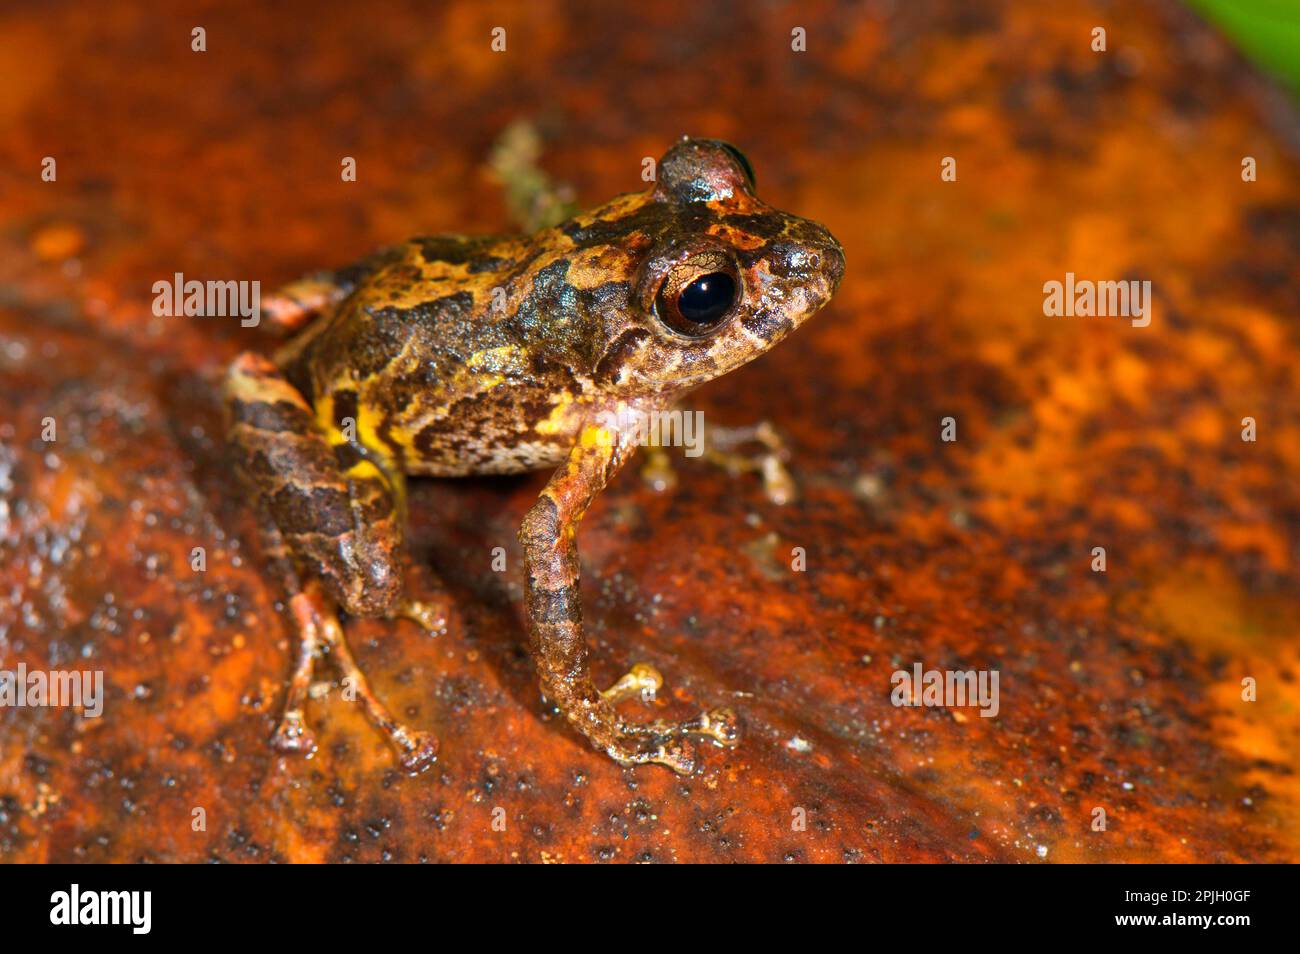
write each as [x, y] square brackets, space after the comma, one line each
[699, 294]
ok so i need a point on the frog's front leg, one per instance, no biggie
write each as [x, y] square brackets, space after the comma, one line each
[336, 515]
[549, 538]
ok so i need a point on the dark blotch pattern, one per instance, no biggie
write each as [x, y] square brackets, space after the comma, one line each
[323, 510]
[274, 417]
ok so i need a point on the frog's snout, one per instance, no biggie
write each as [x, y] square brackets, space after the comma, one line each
[823, 264]
[832, 263]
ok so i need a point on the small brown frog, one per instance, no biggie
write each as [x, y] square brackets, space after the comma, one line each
[452, 356]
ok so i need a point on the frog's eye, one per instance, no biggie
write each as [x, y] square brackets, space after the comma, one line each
[698, 303]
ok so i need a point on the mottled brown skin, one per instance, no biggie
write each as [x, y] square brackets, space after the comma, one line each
[452, 356]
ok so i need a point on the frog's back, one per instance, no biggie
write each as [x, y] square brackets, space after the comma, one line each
[423, 355]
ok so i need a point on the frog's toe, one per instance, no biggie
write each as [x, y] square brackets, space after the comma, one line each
[416, 750]
[292, 736]
[431, 617]
[722, 725]
[676, 752]
[642, 680]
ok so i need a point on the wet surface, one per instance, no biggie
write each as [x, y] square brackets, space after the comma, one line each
[1119, 690]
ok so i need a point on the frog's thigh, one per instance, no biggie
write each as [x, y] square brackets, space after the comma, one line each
[294, 305]
[336, 511]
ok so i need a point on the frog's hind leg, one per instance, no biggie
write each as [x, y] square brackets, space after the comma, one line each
[334, 513]
[292, 306]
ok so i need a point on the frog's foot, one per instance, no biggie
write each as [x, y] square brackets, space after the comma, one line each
[319, 629]
[416, 750]
[429, 616]
[723, 447]
[665, 743]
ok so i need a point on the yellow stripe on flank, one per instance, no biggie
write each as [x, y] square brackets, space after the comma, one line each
[368, 424]
[364, 470]
[325, 420]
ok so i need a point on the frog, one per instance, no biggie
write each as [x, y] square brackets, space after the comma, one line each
[455, 356]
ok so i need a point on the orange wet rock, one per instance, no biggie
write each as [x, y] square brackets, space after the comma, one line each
[54, 243]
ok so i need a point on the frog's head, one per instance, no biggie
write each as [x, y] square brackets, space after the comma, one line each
[720, 277]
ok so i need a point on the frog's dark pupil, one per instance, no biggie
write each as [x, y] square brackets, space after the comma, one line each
[707, 299]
